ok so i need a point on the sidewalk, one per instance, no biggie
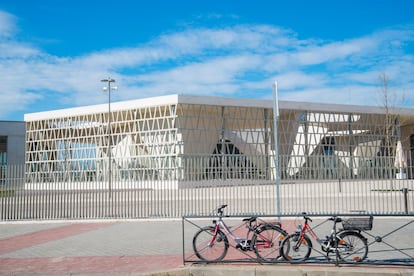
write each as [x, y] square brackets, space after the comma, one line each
[108, 247]
[126, 247]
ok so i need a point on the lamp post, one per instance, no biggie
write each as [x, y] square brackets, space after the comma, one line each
[108, 88]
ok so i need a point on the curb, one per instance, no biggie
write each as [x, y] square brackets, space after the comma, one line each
[246, 270]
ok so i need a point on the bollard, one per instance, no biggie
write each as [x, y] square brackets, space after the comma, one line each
[405, 192]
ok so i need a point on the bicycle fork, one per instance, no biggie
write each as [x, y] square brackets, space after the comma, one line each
[301, 240]
[214, 237]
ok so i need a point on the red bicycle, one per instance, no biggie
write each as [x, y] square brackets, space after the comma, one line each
[348, 244]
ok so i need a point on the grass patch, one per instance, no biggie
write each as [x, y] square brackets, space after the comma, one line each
[388, 190]
[7, 193]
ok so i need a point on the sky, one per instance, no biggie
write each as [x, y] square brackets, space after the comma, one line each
[54, 53]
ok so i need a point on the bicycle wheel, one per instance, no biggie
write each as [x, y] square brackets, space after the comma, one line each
[210, 248]
[266, 242]
[352, 247]
[296, 249]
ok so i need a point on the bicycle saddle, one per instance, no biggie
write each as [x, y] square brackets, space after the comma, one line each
[251, 219]
[335, 219]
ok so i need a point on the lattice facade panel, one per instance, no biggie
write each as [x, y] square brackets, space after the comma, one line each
[208, 142]
[322, 145]
[225, 142]
[142, 143]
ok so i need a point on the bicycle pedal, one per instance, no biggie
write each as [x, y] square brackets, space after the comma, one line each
[241, 247]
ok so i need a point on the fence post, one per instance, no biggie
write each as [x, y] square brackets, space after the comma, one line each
[276, 144]
[405, 193]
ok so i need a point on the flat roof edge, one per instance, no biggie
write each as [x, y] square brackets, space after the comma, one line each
[101, 108]
[209, 100]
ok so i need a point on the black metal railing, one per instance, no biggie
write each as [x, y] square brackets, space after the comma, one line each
[389, 241]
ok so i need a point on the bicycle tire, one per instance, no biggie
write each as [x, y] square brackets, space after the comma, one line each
[266, 243]
[207, 251]
[294, 249]
[352, 247]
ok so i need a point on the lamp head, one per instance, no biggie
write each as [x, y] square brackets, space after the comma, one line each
[108, 80]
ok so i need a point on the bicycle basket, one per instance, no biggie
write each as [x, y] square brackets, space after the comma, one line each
[358, 223]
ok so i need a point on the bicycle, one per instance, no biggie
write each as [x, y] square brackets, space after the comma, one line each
[211, 243]
[348, 244]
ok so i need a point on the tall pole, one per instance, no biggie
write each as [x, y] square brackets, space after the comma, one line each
[276, 144]
[109, 130]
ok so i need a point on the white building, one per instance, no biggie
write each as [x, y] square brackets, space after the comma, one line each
[178, 141]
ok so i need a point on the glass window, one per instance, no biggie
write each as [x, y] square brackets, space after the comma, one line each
[3, 150]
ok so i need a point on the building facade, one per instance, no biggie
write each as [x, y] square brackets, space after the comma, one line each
[179, 141]
[12, 145]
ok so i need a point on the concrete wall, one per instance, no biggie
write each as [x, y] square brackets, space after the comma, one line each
[15, 132]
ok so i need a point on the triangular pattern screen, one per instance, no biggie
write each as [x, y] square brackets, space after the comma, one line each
[200, 142]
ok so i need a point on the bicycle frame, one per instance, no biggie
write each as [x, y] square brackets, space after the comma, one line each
[306, 228]
[221, 225]
[243, 242]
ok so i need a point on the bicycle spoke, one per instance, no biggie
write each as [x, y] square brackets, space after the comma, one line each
[353, 247]
[267, 243]
[296, 248]
[207, 247]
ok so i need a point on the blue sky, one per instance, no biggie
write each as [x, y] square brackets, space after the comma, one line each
[53, 53]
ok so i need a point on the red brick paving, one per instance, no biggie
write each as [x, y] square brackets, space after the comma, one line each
[97, 264]
[89, 264]
[38, 237]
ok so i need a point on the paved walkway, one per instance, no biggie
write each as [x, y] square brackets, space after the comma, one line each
[90, 247]
[99, 247]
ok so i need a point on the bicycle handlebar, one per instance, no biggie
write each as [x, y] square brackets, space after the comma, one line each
[306, 217]
[335, 219]
[220, 210]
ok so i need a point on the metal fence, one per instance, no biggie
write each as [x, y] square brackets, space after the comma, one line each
[21, 199]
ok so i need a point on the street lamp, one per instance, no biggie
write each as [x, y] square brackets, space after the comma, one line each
[108, 88]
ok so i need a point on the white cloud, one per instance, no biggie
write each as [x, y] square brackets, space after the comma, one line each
[343, 95]
[7, 24]
[235, 61]
[298, 80]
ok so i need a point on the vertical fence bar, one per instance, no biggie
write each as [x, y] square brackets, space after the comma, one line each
[85, 199]
[276, 145]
